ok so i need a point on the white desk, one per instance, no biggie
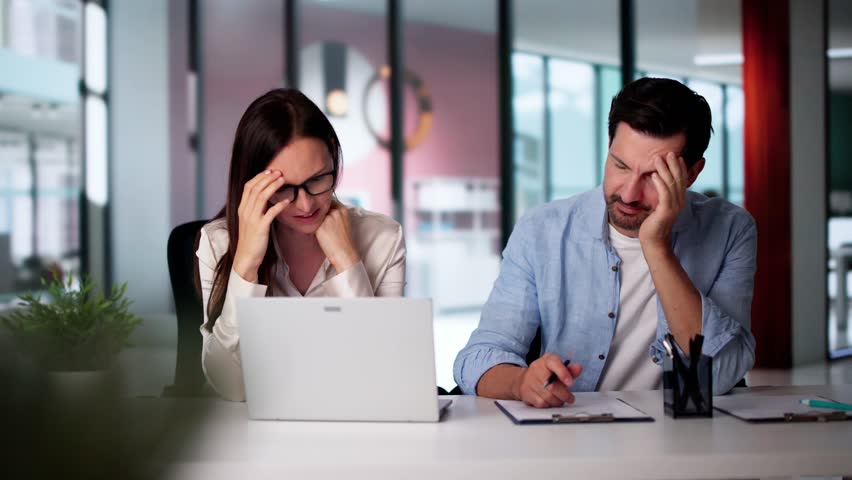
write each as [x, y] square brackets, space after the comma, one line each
[475, 440]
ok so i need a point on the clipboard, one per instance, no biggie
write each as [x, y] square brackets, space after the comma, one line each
[589, 407]
[757, 408]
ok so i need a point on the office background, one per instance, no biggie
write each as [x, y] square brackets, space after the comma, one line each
[116, 120]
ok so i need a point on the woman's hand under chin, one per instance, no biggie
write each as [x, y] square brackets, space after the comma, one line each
[335, 238]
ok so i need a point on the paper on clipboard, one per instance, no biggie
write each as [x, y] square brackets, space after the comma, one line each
[754, 407]
[589, 407]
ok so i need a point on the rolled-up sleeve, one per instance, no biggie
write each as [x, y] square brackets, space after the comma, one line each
[509, 318]
[726, 312]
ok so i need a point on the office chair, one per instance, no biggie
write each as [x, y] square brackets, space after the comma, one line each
[532, 355]
[189, 378]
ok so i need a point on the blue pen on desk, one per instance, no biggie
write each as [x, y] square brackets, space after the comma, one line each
[553, 377]
[811, 402]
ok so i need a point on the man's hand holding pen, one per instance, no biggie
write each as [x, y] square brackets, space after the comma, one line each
[534, 386]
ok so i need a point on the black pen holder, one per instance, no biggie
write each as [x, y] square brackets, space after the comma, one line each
[688, 392]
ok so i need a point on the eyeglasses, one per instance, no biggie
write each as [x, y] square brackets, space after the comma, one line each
[316, 185]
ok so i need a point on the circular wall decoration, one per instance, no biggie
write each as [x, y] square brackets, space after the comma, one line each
[333, 76]
[423, 101]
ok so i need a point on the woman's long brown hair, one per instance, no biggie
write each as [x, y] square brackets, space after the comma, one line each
[269, 124]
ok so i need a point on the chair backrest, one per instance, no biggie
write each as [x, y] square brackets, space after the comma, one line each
[189, 377]
[535, 347]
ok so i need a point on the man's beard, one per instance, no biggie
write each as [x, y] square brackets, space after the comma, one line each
[629, 222]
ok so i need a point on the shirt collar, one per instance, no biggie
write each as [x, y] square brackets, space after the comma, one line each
[282, 272]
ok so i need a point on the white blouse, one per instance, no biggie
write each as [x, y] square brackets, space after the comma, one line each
[380, 273]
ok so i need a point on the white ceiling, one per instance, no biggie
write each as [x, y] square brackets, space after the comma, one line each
[840, 36]
[840, 24]
[669, 33]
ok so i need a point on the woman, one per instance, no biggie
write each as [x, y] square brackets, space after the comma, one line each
[283, 233]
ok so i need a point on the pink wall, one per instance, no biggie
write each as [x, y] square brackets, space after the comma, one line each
[243, 58]
[459, 68]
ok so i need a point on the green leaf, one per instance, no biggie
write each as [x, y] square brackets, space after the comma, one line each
[71, 328]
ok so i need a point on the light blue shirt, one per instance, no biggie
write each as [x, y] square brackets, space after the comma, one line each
[559, 272]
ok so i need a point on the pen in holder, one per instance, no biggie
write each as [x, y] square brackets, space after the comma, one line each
[687, 388]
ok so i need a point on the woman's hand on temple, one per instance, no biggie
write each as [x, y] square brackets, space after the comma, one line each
[255, 219]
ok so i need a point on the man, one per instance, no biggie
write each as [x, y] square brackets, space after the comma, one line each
[606, 274]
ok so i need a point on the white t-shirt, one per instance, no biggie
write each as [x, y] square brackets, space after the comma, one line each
[629, 366]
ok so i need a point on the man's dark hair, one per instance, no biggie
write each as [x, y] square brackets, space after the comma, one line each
[661, 107]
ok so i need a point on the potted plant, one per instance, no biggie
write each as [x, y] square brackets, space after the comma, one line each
[72, 329]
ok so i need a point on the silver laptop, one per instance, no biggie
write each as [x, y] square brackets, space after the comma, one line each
[361, 359]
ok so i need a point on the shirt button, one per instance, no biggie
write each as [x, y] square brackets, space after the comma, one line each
[615, 268]
[655, 360]
[601, 357]
[611, 315]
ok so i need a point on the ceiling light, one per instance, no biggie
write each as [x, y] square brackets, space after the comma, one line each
[839, 53]
[729, 59]
[717, 59]
[37, 111]
[337, 103]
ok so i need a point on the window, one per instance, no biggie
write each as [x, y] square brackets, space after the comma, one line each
[571, 102]
[561, 144]
[40, 162]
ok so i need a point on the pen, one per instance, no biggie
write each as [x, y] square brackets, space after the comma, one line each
[668, 347]
[826, 404]
[552, 377]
